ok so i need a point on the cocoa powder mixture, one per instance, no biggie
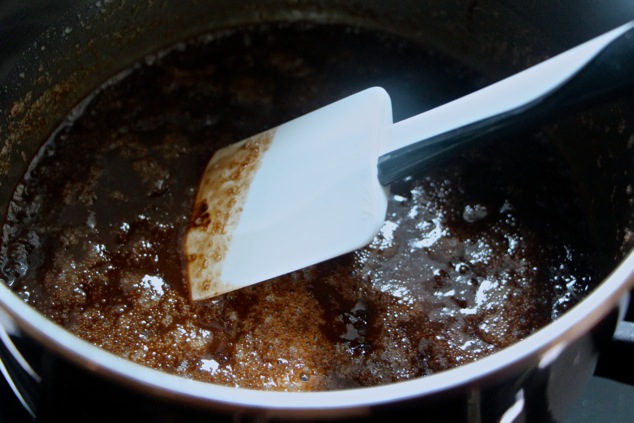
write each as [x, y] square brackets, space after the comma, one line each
[475, 254]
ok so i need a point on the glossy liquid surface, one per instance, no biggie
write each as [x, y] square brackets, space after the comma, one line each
[475, 254]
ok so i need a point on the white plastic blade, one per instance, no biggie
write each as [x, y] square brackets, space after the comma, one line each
[305, 192]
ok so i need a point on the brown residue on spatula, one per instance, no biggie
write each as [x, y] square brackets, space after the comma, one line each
[219, 202]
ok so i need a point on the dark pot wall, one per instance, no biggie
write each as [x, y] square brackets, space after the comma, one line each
[469, 30]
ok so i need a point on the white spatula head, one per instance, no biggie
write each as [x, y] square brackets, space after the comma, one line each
[268, 205]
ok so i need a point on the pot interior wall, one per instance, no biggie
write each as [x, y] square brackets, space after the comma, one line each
[96, 41]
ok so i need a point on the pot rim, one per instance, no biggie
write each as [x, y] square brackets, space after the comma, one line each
[540, 349]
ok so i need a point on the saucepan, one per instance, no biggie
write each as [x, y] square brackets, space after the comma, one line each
[71, 48]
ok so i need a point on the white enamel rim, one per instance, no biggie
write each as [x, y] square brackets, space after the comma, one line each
[569, 327]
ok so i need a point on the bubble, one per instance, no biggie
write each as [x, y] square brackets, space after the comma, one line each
[474, 213]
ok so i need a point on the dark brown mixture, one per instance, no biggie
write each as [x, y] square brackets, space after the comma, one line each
[475, 254]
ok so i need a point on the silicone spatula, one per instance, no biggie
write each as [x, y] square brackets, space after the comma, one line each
[316, 187]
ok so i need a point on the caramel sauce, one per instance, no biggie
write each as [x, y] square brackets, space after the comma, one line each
[219, 202]
[475, 254]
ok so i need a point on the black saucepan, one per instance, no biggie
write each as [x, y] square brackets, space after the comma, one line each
[62, 52]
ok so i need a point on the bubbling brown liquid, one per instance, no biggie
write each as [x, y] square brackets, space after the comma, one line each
[475, 254]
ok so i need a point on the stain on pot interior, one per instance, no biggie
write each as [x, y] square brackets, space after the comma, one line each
[475, 254]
